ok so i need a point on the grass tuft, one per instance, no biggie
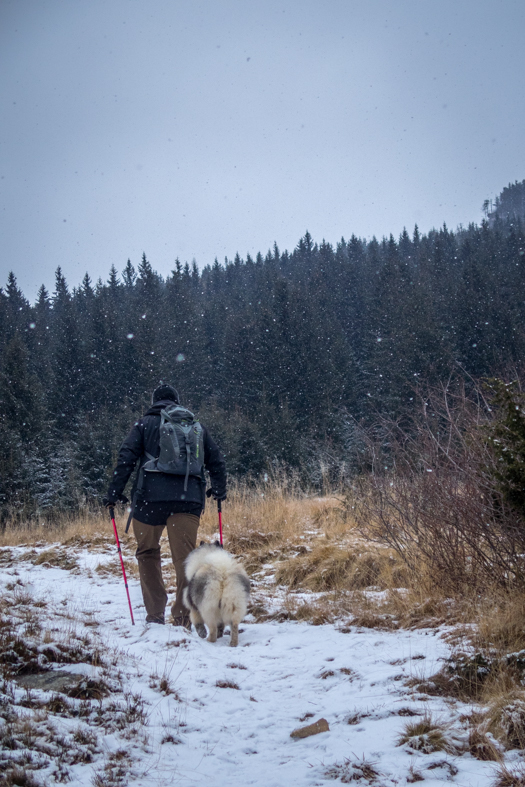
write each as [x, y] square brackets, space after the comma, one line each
[510, 777]
[414, 775]
[352, 770]
[425, 735]
[483, 747]
[227, 684]
[57, 558]
[333, 566]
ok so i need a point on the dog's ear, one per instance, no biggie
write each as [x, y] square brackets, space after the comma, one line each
[218, 544]
[202, 543]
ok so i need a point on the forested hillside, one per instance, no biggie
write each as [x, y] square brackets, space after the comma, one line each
[279, 355]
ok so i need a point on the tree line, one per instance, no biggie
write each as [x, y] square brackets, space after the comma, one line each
[284, 356]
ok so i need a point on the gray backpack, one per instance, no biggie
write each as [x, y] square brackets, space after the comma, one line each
[181, 445]
[181, 450]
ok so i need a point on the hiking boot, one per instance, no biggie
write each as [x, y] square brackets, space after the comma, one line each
[152, 619]
[182, 620]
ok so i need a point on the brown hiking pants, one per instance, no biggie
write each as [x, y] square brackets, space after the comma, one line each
[182, 536]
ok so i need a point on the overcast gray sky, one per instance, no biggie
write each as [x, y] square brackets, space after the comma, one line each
[200, 129]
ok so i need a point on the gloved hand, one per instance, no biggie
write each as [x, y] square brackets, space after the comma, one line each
[111, 502]
[216, 495]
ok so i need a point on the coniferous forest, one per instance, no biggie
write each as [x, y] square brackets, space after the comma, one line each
[284, 357]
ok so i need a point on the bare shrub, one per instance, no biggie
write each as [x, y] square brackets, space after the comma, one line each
[433, 495]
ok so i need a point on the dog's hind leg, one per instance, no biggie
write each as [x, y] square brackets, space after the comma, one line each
[212, 636]
[201, 630]
[196, 619]
[234, 635]
[220, 630]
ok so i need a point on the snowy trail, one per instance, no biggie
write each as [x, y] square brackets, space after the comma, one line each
[284, 675]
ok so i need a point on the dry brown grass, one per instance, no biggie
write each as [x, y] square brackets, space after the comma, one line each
[426, 735]
[309, 562]
[350, 565]
[352, 770]
[59, 558]
[304, 543]
[483, 747]
[501, 623]
[38, 532]
[511, 777]
[504, 718]
[275, 513]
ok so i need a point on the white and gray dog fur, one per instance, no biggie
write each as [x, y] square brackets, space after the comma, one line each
[217, 592]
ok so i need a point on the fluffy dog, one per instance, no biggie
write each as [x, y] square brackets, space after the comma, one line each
[217, 592]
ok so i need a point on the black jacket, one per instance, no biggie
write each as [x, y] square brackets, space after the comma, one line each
[144, 438]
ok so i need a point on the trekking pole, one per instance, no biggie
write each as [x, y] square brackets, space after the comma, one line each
[219, 509]
[112, 515]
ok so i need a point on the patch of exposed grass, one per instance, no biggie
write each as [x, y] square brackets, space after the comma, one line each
[510, 777]
[501, 624]
[57, 558]
[116, 770]
[33, 744]
[333, 566]
[414, 775]
[463, 676]
[482, 746]
[352, 770]
[504, 718]
[316, 612]
[371, 620]
[426, 735]
[83, 524]
[112, 568]
[226, 684]
[19, 777]
[89, 689]
[276, 511]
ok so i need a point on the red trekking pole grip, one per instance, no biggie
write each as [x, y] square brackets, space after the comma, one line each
[112, 515]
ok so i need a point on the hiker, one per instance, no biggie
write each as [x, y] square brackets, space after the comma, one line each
[173, 499]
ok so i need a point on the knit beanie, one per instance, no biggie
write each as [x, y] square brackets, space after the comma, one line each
[165, 392]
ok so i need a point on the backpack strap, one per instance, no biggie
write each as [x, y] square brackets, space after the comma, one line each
[186, 431]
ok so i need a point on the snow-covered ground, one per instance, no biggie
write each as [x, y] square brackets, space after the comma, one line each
[197, 713]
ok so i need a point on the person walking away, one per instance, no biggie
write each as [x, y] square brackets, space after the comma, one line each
[172, 450]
